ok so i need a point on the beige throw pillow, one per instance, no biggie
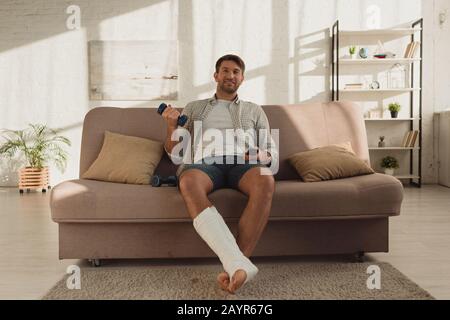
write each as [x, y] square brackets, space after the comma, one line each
[327, 163]
[125, 159]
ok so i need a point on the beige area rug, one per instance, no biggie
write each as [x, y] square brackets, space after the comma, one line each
[275, 280]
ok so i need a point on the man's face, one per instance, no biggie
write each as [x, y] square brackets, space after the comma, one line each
[229, 77]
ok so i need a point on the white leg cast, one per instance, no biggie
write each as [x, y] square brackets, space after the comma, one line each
[210, 225]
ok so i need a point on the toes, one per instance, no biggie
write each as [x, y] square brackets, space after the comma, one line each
[237, 280]
[232, 287]
[224, 280]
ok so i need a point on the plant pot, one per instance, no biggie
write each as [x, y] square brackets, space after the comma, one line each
[394, 114]
[33, 178]
[389, 171]
[353, 56]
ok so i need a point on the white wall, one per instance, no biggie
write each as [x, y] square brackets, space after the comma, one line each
[43, 66]
[436, 78]
[441, 49]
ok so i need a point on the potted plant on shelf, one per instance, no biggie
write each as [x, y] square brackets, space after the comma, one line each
[352, 51]
[389, 164]
[394, 108]
[39, 145]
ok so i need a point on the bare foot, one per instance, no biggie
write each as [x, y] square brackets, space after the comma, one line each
[237, 280]
[224, 280]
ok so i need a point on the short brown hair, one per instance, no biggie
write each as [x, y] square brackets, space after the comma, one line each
[231, 57]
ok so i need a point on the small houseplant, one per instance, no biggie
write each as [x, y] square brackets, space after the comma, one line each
[39, 145]
[394, 108]
[389, 164]
[352, 51]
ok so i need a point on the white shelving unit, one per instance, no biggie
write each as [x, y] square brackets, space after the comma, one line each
[394, 148]
[402, 90]
[414, 176]
[391, 119]
[379, 61]
[378, 32]
[409, 176]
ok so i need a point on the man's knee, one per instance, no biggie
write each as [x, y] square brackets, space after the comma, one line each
[194, 181]
[187, 181]
[263, 185]
[266, 184]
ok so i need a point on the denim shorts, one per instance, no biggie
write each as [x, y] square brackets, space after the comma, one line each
[222, 174]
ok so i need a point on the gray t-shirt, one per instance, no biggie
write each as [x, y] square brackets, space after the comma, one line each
[219, 118]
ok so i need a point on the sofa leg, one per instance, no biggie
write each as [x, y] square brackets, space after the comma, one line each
[359, 257]
[95, 262]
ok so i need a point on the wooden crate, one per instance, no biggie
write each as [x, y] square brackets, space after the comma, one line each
[33, 178]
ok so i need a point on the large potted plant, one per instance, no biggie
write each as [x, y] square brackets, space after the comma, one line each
[389, 164]
[39, 145]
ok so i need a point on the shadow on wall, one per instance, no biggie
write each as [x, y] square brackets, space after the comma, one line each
[312, 67]
[45, 19]
[26, 24]
[277, 74]
[306, 76]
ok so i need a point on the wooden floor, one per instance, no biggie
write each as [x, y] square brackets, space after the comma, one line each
[29, 265]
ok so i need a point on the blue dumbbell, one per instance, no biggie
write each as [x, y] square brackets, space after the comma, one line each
[181, 119]
[158, 180]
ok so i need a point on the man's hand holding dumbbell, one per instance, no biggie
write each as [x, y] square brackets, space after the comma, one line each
[171, 116]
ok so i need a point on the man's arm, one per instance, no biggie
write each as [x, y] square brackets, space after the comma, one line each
[171, 117]
[269, 148]
[169, 144]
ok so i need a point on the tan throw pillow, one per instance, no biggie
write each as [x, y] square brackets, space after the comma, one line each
[125, 159]
[327, 163]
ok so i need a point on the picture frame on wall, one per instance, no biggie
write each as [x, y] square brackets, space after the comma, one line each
[133, 70]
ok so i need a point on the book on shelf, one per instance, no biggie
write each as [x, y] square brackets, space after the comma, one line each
[405, 139]
[353, 86]
[414, 138]
[409, 140]
[414, 49]
[407, 50]
[411, 50]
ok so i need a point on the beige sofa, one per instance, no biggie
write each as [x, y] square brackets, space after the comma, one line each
[104, 220]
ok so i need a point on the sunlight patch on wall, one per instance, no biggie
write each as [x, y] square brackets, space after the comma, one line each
[158, 21]
[44, 76]
[226, 27]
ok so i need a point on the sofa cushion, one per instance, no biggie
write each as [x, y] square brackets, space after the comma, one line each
[125, 159]
[329, 162]
[98, 201]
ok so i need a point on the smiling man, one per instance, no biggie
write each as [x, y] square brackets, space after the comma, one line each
[226, 163]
